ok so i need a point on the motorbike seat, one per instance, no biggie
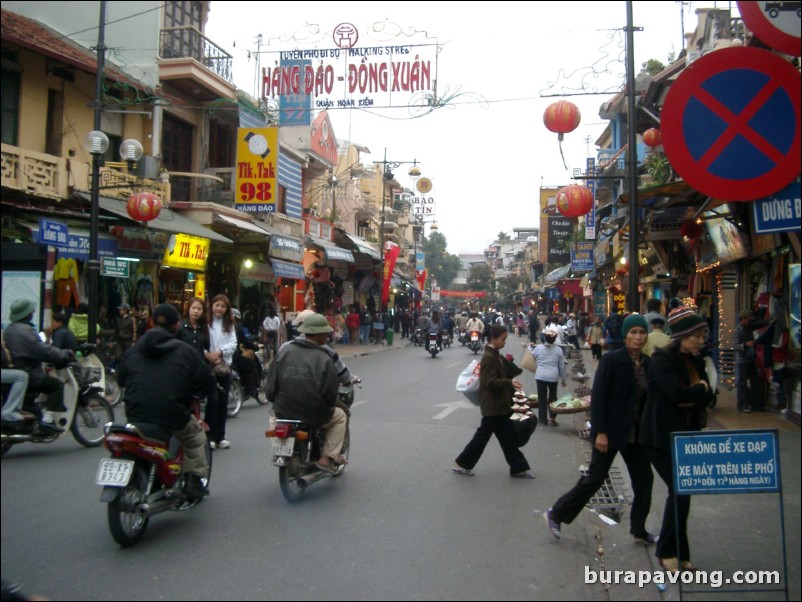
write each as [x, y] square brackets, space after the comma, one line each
[155, 433]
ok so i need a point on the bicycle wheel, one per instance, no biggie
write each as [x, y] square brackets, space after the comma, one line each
[92, 413]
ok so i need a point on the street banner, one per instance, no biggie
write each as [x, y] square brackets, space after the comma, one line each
[257, 160]
[420, 278]
[391, 251]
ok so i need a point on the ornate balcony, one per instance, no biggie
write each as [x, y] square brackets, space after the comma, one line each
[35, 173]
[195, 64]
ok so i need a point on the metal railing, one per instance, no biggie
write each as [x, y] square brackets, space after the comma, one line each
[188, 42]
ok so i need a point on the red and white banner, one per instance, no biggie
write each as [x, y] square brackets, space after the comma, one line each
[391, 251]
[463, 294]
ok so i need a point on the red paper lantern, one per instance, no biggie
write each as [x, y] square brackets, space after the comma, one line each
[574, 200]
[652, 137]
[143, 206]
[561, 117]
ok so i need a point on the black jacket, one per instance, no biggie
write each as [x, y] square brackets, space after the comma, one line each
[672, 402]
[614, 402]
[160, 375]
[197, 337]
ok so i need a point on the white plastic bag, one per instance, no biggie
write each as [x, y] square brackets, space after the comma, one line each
[468, 382]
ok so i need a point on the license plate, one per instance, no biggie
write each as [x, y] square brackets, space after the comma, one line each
[474, 338]
[114, 473]
[283, 447]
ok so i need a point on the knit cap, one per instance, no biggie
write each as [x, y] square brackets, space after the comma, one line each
[633, 320]
[683, 321]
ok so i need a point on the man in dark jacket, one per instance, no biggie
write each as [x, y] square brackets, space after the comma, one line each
[160, 360]
[62, 337]
[28, 352]
[618, 398]
[302, 384]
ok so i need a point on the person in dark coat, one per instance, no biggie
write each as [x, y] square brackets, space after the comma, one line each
[617, 401]
[678, 395]
[62, 337]
[177, 370]
[28, 352]
[496, 390]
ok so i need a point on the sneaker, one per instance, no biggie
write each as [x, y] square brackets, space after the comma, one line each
[194, 487]
[647, 539]
[212, 444]
[50, 427]
[552, 524]
[526, 474]
[223, 444]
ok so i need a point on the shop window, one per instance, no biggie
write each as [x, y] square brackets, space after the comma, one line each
[10, 106]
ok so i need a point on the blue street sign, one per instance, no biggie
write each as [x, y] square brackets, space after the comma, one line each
[53, 233]
[779, 212]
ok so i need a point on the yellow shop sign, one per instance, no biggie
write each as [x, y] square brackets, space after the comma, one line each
[187, 252]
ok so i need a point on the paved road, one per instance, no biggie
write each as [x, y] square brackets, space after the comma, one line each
[397, 526]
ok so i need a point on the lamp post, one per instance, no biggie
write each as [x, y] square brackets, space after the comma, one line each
[387, 175]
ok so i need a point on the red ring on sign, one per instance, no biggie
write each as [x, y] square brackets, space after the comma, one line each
[766, 31]
[689, 84]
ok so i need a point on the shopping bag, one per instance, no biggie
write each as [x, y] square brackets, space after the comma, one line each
[524, 429]
[468, 382]
[528, 361]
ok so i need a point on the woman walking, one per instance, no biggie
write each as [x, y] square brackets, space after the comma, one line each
[550, 369]
[678, 393]
[495, 395]
[193, 329]
[222, 345]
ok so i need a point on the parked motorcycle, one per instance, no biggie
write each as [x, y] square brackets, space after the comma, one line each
[87, 408]
[475, 341]
[143, 477]
[95, 370]
[296, 447]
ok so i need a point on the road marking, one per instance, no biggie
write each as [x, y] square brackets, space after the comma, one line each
[452, 365]
[451, 406]
[359, 403]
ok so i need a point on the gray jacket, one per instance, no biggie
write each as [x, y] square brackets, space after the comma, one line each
[302, 383]
[28, 351]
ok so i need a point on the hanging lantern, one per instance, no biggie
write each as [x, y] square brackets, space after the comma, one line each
[690, 229]
[561, 117]
[652, 137]
[574, 200]
[143, 206]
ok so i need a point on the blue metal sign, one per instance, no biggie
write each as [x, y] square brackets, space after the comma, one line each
[552, 294]
[738, 461]
[779, 212]
[53, 233]
[582, 256]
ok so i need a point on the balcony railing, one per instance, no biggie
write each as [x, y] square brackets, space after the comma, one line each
[188, 42]
[35, 173]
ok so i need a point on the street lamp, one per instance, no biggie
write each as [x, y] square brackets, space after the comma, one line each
[387, 176]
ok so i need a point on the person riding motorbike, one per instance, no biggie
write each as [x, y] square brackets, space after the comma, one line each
[435, 326]
[302, 383]
[28, 352]
[179, 370]
[475, 324]
[244, 360]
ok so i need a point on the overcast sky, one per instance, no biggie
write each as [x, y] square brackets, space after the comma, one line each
[487, 152]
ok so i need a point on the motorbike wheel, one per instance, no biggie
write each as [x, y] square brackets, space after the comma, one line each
[235, 395]
[4, 448]
[289, 479]
[113, 392]
[90, 416]
[126, 524]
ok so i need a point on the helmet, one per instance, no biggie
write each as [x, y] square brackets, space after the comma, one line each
[299, 319]
[315, 324]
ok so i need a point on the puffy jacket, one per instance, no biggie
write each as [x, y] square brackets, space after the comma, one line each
[28, 351]
[79, 326]
[302, 383]
[160, 375]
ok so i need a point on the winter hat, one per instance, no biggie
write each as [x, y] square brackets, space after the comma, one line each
[315, 324]
[165, 315]
[21, 309]
[633, 320]
[683, 321]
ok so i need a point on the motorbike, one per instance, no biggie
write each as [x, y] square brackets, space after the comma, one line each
[95, 369]
[87, 408]
[237, 395]
[296, 447]
[143, 476]
[417, 337]
[475, 341]
[434, 344]
[463, 336]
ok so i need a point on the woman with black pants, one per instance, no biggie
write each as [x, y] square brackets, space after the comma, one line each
[678, 393]
[495, 395]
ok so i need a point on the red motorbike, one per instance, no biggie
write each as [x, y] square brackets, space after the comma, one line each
[143, 476]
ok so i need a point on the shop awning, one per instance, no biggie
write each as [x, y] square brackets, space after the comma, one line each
[241, 224]
[572, 285]
[168, 221]
[558, 274]
[285, 269]
[333, 253]
[363, 246]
